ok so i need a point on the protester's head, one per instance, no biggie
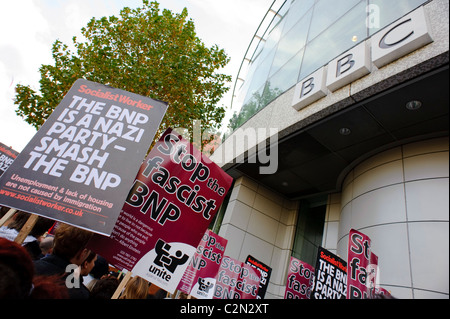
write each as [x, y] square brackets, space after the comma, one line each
[18, 220]
[88, 263]
[137, 288]
[160, 294]
[183, 295]
[104, 288]
[101, 268]
[46, 245]
[70, 243]
[40, 227]
[16, 269]
[17, 279]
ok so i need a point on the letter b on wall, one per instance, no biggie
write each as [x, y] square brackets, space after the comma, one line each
[310, 89]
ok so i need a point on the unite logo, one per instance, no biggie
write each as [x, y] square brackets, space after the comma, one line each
[165, 264]
[204, 285]
[204, 288]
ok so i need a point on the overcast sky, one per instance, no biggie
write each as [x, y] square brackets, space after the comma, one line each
[28, 28]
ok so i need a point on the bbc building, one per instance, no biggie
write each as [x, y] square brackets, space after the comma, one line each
[343, 123]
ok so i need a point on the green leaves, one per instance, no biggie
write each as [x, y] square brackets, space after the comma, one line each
[145, 51]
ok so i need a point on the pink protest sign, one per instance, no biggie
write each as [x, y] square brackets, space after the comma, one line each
[236, 280]
[299, 280]
[174, 198]
[200, 276]
[359, 257]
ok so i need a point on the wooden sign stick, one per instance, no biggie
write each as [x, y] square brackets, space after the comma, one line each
[26, 229]
[7, 216]
[122, 285]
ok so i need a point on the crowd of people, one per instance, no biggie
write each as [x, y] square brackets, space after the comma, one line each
[53, 262]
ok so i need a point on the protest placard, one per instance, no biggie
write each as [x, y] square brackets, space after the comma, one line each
[264, 271]
[372, 275]
[381, 293]
[362, 266]
[330, 277]
[236, 280]
[7, 157]
[80, 165]
[174, 198]
[199, 278]
[300, 279]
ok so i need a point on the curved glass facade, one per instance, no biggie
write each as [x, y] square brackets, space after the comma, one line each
[303, 36]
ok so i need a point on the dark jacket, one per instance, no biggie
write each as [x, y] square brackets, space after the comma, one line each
[54, 265]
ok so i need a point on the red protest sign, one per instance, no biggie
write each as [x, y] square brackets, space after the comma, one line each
[372, 272]
[359, 257]
[200, 276]
[236, 280]
[174, 198]
[299, 280]
[382, 293]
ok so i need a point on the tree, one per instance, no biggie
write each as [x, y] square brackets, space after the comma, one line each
[145, 51]
[253, 106]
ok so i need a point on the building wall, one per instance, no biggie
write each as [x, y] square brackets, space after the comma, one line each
[399, 198]
[331, 225]
[281, 115]
[260, 223]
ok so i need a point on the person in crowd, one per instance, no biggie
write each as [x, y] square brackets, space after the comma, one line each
[101, 268]
[154, 292]
[80, 291]
[31, 242]
[183, 295]
[69, 252]
[46, 245]
[18, 280]
[104, 288]
[137, 288]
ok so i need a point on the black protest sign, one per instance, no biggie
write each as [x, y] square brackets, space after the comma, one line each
[265, 272]
[330, 276]
[7, 156]
[80, 165]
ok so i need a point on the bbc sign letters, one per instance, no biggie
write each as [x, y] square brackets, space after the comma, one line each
[396, 40]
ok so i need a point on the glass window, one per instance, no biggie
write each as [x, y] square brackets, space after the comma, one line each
[259, 77]
[296, 12]
[273, 38]
[314, 32]
[344, 34]
[327, 12]
[309, 232]
[291, 43]
[382, 13]
[286, 77]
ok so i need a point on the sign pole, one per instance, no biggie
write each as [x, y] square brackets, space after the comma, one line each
[7, 216]
[122, 285]
[26, 229]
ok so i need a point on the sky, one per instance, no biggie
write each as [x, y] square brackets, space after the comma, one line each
[28, 28]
